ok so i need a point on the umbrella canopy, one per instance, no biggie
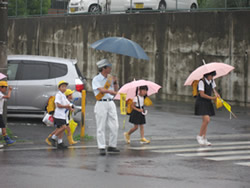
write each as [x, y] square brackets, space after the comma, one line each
[130, 88]
[2, 76]
[120, 45]
[220, 68]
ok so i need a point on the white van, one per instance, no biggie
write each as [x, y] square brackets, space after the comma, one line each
[93, 6]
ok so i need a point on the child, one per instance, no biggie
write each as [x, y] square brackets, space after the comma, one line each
[62, 104]
[3, 89]
[137, 116]
[68, 93]
[204, 106]
[69, 96]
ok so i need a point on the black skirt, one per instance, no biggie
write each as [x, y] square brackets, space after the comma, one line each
[204, 107]
[137, 118]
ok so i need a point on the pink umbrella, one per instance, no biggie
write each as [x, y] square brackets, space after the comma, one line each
[130, 88]
[220, 68]
[2, 76]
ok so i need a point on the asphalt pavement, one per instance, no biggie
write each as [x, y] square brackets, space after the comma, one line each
[172, 159]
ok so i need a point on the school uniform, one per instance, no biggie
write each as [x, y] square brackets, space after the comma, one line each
[105, 113]
[2, 124]
[204, 106]
[136, 117]
[68, 114]
[60, 114]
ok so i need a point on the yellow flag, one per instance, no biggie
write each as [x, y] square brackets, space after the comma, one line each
[123, 103]
[226, 105]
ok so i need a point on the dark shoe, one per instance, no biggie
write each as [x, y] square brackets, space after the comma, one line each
[8, 141]
[61, 146]
[113, 150]
[102, 152]
[52, 141]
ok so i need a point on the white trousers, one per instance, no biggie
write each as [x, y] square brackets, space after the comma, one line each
[106, 114]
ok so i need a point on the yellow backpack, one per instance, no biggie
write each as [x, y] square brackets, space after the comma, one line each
[129, 102]
[195, 88]
[51, 105]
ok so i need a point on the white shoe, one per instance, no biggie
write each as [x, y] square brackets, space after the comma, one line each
[200, 140]
[206, 142]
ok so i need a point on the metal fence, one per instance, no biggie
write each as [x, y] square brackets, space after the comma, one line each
[17, 8]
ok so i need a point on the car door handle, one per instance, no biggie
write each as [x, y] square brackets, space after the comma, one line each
[48, 85]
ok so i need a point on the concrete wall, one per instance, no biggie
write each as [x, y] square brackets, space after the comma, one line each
[176, 43]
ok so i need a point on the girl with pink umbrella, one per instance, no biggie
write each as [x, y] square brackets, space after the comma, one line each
[137, 116]
[204, 106]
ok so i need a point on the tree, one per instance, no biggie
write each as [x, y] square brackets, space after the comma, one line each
[223, 3]
[28, 7]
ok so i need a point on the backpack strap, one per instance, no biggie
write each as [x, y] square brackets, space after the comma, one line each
[138, 101]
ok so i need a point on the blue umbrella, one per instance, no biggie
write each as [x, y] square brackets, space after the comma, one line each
[120, 45]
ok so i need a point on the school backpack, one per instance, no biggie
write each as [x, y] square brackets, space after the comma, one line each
[51, 105]
[129, 102]
[195, 88]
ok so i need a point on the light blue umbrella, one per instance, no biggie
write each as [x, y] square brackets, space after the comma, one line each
[120, 45]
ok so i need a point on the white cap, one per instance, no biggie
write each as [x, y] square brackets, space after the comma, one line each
[103, 63]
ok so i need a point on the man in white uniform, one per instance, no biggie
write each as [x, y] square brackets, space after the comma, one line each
[105, 88]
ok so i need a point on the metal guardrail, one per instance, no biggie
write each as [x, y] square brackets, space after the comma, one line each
[21, 10]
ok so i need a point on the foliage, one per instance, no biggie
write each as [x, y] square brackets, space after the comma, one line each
[85, 138]
[9, 133]
[28, 7]
[223, 3]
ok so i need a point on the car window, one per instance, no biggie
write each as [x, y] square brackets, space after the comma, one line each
[34, 70]
[12, 70]
[79, 72]
[58, 70]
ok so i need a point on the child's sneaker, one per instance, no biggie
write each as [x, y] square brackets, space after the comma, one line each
[127, 137]
[206, 142]
[200, 140]
[52, 141]
[61, 146]
[144, 141]
[1, 145]
[8, 141]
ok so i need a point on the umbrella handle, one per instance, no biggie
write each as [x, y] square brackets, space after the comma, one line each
[233, 115]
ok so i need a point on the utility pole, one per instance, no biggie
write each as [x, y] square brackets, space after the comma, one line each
[3, 40]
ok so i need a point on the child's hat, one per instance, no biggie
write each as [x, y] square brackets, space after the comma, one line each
[69, 92]
[3, 84]
[62, 82]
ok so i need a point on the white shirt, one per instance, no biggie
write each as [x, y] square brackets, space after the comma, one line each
[99, 82]
[201, 86]
[60, 113]
[1, 102]
[141, 100]
[67, 113]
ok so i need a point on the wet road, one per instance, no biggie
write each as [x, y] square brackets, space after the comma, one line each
[173, 159]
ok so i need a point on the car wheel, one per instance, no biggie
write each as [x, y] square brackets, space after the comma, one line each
[95, 9]
[193, 6]
[162, 6]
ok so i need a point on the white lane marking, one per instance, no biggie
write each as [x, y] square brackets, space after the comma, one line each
[45, 148]
[214, 153]
[224, 136]
[244, 164]
[187, 145]
[228, 158]
[201, 149]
